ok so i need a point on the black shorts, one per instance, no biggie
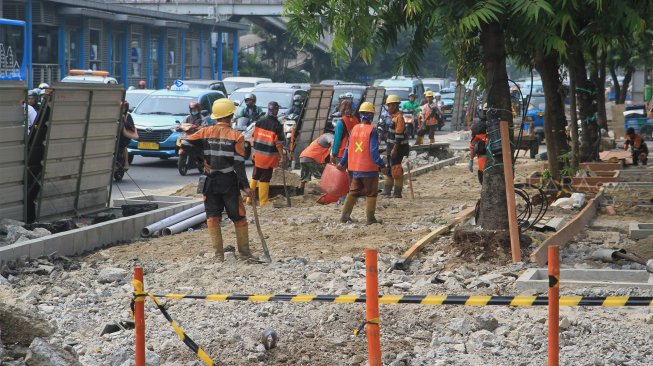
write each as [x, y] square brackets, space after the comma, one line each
[263, 175]
[402, 151]
[217, 200]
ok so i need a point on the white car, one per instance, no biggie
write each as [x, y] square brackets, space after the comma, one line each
[89, 76]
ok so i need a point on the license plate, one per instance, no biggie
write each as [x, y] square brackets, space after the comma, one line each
[148, 145]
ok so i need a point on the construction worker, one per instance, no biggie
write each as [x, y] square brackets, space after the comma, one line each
[363, 160]
[313, 159]
[224, 157]
[195, 117]
[478, 148]
[128, 133]
[428, 119]
[397, 148]
[343, 127]
[638, 146]
[267, 151]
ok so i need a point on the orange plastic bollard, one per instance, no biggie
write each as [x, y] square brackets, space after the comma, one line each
[373, 327]
[139, 316]
[554, 305]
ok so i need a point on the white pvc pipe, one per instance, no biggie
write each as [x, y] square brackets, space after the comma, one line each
[171, 220]
[183, 225]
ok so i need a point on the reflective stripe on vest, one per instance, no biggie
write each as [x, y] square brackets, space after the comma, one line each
[220, 148]
[359, 156]
[427, 112]
[264, 148]
[316, 152]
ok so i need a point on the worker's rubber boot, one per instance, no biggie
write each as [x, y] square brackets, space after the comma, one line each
[252, 185]
[388, 182]
[263, 193]
[242, 239]
[399, 186]
[347, 208]
[419, 140]
[432, 140]
[215, 232]
[370, 208]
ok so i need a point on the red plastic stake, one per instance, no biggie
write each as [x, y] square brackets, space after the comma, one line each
[554, 305]
[373, 327]
[139, 316]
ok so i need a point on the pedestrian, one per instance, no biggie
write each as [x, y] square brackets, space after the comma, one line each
[128, 133]
[478, 148]
[224, 157]
[344, 125]
[637, 145]
[267, 151]
[313, 159]
[428, 119]
[396, 148]
[363, 160]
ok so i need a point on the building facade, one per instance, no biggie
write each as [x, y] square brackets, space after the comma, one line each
[131, 44]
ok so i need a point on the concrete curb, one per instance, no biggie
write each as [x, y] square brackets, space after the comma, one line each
[91, 237]
[435, 166]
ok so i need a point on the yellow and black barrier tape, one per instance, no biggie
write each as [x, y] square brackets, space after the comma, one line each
[180, 333]
[430, 299]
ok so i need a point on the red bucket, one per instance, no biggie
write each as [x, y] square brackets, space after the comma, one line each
[334, 182]
[326, 199]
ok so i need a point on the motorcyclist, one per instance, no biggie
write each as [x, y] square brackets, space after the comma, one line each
[33, 97]
[251, 111]
[195, 116]
[297, 105]
[411, 106]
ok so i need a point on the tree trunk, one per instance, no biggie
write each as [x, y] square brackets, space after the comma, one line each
[555, 120]
[586, 96]
[626, 83]
[615, 83]
[493, 213]
[573, 125]
[599, 82]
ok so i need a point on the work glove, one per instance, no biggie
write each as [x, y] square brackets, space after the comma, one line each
[470, 166]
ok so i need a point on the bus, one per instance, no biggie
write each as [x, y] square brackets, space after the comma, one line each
[13, 44]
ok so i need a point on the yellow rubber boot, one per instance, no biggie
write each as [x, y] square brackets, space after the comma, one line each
[242, 238]
[388, 182]
[252, 186]
[370, 208]
[399, 186]
[263, 193]
[215, 232]
[347, 208]
[419, 140]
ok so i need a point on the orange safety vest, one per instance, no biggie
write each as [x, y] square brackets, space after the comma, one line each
[481, 137]
[316, 151]
[637, 142]
[426, 111]
[264, 148]
[350, 123]
[359, 156]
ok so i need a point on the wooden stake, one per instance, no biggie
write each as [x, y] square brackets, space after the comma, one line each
[510, 191]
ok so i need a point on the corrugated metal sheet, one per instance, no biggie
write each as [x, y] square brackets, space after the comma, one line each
[12, 150]
[78, 159]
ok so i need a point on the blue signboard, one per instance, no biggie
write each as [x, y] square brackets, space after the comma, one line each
[13, 44]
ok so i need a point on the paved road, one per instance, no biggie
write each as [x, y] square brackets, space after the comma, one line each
[154, 176]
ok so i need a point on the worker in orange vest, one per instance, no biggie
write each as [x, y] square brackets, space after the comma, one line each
[343, 128]
[428, 119]
[638, 146]
[478, 148]
[267, 152]
[313, 159]
[363, 160]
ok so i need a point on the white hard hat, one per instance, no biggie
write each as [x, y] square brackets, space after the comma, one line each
[44, 86]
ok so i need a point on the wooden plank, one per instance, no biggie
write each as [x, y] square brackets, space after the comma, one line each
[573, 228]
[415, 248]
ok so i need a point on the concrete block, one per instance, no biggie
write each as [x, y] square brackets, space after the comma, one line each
[79, 240]
[640, 230]
[537, 279]
[37, 248]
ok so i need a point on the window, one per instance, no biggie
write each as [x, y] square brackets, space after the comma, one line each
[117, 56]
[135, 56]
[192, 62]
[94, 56]
[44, 45]
[71, 50]
[154, 61]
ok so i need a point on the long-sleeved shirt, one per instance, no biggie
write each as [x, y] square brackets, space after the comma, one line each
[342, 131]
[376, 157]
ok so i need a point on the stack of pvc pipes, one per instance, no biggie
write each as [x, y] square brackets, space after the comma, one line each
[176, 223]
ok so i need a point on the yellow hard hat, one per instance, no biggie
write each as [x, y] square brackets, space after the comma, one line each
[393, 99]
[428, 93]
[222, 108]
[366, 107]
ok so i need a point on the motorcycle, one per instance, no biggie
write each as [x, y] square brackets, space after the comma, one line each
[187, 160]
[410, 123]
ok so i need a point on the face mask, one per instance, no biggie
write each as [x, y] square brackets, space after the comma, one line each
[194, 113]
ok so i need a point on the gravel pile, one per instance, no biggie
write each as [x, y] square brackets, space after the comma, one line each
[80, 298]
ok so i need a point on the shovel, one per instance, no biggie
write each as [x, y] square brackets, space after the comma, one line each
[613, 255]
[266, 252]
